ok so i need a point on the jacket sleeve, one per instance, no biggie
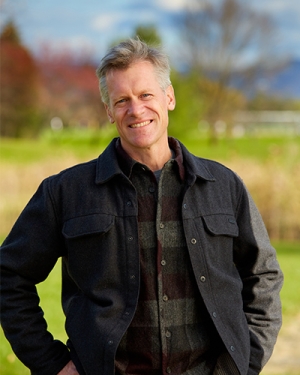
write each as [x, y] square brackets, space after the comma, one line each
[262, 279]
[27, 256]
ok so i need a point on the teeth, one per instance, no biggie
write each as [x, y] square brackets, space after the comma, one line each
[139, 125]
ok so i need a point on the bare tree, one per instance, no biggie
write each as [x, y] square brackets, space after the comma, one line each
[226, 41]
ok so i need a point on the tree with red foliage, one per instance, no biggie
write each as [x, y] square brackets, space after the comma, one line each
[69, 89]
[18, 82]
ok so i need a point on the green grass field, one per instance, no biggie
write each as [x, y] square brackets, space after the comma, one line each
[85, 144]
[25, 162]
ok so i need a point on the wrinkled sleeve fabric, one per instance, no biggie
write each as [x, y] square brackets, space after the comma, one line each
[262, 279]
[27, 256]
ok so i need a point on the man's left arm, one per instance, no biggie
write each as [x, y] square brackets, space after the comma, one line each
[262, 281]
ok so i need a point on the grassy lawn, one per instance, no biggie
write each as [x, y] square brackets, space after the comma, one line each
[87, 144]
[288, 256]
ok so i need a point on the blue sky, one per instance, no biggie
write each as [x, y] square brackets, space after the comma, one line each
[93, 24]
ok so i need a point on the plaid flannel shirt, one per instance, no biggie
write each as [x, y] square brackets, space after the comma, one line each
[171, 332]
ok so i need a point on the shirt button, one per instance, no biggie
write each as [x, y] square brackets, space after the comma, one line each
[185, 206]
[130, 238]
[168, 334]
[202, 278]
[165, 298]
[161, 225]
[193, 241]
[132, 277]
[232, 348]
[110, 342]
[168, 370]
[214, 314]
[128, 203]
[163, 262]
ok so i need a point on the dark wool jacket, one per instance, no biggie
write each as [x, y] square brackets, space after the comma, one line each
[88, 216]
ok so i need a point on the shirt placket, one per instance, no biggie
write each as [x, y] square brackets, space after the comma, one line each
[162, 266]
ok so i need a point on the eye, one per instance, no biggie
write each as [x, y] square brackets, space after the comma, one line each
[146, 95]
[121, 101]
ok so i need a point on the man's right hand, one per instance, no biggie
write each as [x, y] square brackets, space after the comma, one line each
[69, 369]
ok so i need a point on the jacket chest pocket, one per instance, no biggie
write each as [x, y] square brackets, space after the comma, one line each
[88, 225]
[88, 237]
[220, 230]
[221, 225]
[90, 251]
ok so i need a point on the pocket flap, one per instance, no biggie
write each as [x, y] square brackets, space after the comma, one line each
[221, 225]
[87, 225]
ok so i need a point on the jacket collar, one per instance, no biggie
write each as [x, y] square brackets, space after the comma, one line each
[108, 166]
[195, 167]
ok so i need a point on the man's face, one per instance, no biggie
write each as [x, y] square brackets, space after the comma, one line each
[139, 106]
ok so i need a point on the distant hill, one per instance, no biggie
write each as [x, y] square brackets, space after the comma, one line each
[284, 83]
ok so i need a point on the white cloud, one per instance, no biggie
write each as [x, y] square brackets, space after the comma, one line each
[109, 21]
[145, 16]
[171, 5]
[76, 44]
[106, 21]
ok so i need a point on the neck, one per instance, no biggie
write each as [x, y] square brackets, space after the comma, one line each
[153, 157]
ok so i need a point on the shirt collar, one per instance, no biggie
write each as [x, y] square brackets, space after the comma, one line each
[108, 163]
[126, 163]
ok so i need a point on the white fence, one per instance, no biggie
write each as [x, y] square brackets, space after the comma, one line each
[269, 122]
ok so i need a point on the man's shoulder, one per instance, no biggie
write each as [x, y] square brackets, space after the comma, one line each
[214, 168]
[72, 179]
[81, 170]
[214, 165]
[87, 172]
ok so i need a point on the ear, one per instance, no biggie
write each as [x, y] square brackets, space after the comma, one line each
[171, 98]
[109, 114]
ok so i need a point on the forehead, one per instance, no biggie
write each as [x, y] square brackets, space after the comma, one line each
[136, 73]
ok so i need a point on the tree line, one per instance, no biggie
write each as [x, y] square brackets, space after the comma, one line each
[212, 83]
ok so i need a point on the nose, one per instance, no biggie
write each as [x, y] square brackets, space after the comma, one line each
[135, 108]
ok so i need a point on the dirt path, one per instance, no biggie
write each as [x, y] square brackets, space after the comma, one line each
[286, 356]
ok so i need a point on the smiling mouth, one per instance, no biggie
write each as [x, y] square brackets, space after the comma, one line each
[140, 124]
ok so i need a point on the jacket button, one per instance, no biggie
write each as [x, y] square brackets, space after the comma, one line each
[151, 189]
[110, 342]
[163, 262]
[232, 348]
[130, 238]
[185, 206]
[214, 314]
[168, 334]
[128, 203]
[203, 279]
[193, 241]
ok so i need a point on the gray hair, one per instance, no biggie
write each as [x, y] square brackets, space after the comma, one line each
[128, 52]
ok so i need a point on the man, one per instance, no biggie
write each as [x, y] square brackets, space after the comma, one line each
[166, 264]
